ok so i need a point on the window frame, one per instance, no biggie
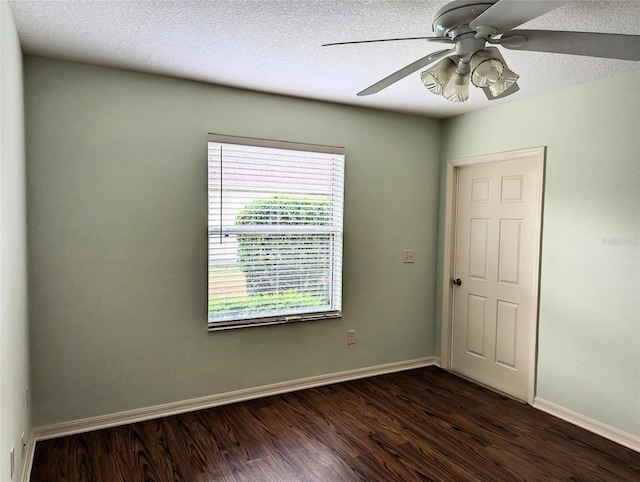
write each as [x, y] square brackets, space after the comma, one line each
[332, 311]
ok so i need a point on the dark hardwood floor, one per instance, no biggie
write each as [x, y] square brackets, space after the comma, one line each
[421, 424]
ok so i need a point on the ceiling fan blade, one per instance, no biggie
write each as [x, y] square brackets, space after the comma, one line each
[508, 14]
[409, 69]
[607, 45]
[429, 39]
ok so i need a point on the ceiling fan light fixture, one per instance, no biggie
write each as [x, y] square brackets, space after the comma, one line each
[436, 78]
[507, 79]
[457, 89]
[485, 69]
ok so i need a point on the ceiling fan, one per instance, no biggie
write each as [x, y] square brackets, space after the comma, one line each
[472, 24]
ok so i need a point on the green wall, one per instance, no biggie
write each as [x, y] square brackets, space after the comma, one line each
[15, 418]
[589, 323]
[117, 240]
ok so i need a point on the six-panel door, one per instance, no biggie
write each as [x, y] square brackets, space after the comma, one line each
[495, 307]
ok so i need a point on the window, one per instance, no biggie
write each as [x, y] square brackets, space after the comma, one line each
[275, 232]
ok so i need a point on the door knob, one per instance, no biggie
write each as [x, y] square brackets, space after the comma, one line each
[457, 282]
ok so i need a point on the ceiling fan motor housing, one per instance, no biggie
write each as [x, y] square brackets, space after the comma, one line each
[453, 19]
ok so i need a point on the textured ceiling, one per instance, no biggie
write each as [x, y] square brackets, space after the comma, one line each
[274, 45]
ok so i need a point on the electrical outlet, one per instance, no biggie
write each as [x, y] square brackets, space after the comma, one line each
[408, 256]
[12, 461]
[351, 337]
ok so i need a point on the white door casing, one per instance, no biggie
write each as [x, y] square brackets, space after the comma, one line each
[492, 244]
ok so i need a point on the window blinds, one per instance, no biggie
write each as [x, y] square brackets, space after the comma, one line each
[275, 232]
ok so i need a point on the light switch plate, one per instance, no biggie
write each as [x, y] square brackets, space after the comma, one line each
[408, 256]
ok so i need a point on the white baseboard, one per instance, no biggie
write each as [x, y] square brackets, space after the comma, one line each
[147, 413]
[606, 431]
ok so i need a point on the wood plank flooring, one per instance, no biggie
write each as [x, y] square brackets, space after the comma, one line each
[423, 424]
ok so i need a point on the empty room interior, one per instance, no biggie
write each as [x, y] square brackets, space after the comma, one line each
[113, 244]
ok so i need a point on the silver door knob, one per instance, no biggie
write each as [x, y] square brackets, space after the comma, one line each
[457, 282]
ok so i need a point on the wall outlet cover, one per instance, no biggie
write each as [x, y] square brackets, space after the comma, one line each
[351, 337]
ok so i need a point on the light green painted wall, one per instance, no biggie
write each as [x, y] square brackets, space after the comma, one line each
[589, 324]
[117, 217]
[15, 418]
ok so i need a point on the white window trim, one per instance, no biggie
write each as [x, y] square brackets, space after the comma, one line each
[245, 229]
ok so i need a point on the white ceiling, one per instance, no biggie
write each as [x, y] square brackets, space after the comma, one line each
[274, 45]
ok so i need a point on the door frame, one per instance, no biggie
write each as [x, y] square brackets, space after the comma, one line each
[448, 259]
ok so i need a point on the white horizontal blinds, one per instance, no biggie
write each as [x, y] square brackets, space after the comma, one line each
[275, 232]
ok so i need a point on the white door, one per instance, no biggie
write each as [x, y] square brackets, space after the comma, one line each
[497, 244]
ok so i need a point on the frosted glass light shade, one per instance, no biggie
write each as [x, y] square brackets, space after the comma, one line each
[485, 69]
[508, 78]
[437, 76]
[457, 89]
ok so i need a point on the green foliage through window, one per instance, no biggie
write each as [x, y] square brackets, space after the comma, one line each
[278, 263]
[259, 305]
